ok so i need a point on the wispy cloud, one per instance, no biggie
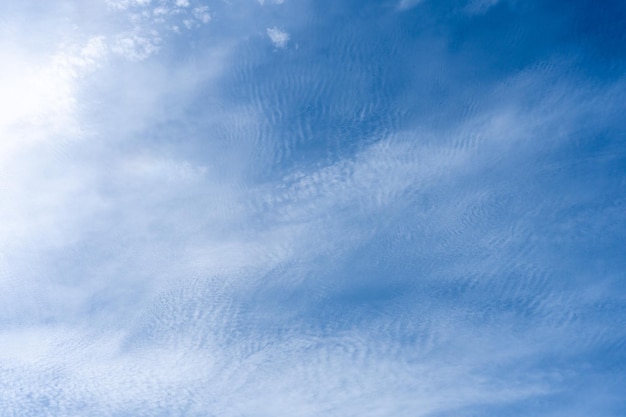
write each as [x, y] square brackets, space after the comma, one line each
[262, 2]
[278, 37]
[196, 225]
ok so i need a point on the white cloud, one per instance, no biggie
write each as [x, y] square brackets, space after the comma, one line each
[158, 317]
[136, 47]
[202, 14]
[26, 345]
[278, 37]
[141, 275]
[125, 4]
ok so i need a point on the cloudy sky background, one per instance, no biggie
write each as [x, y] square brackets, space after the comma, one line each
[303, 208]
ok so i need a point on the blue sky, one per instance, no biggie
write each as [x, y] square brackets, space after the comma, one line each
[312, 208]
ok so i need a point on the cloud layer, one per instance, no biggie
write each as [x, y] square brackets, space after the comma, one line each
[301, 209]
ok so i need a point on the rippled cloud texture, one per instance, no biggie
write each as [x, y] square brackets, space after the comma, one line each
[312, 208]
